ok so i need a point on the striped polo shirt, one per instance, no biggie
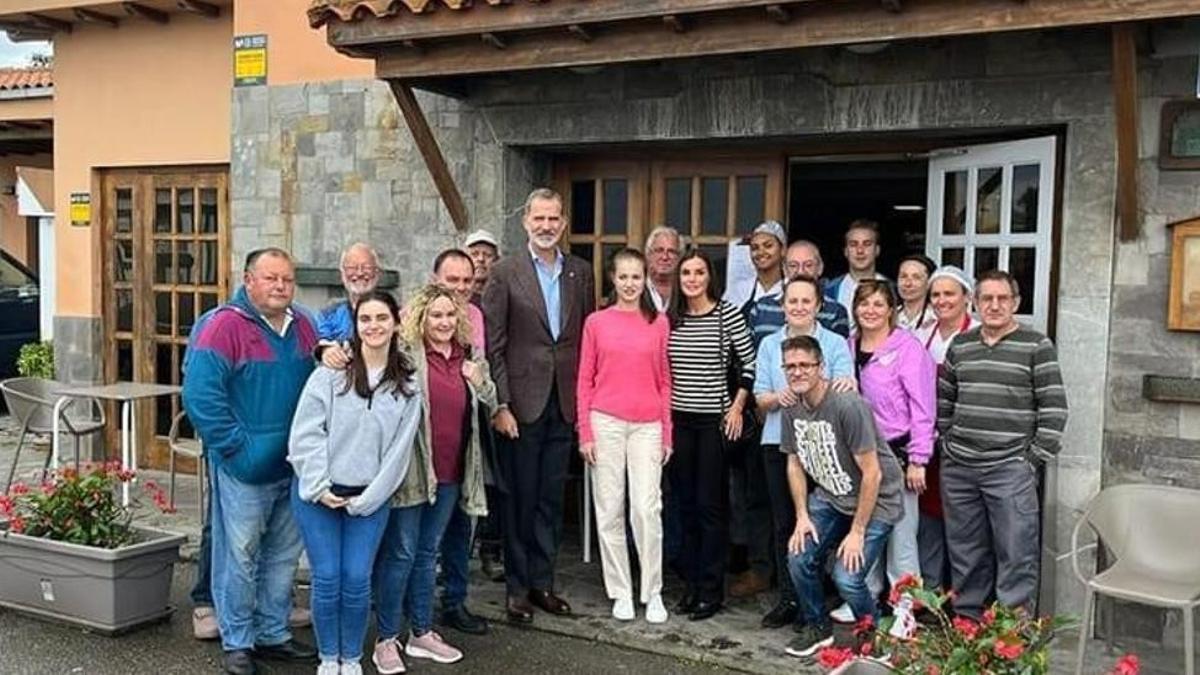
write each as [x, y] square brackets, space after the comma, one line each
[701, 348]
[1001, 402]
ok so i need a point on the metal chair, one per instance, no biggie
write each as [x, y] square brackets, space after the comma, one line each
[188, 447]
[31, 402]
[1152, 531]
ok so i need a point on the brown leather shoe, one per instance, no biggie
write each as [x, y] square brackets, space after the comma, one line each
[547, 601]
[748, 585]
[519, 610]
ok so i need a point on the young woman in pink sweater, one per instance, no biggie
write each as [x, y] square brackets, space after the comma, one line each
[623, 398]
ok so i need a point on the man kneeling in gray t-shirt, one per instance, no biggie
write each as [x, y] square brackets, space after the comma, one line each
[832, 437]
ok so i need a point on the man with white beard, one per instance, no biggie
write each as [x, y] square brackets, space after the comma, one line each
[335, 325]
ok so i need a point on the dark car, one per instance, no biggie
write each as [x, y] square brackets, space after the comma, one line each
[20, 311]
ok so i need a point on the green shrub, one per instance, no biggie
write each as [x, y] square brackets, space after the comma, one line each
[36, 360]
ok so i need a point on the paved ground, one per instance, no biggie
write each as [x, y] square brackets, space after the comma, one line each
[589, 642]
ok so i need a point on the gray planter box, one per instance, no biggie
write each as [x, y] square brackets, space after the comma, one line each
[107, 590]
[863, 667]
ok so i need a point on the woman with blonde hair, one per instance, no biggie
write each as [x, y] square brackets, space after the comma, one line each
[447, 470]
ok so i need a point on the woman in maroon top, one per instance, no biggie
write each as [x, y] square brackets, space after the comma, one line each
[446, 471]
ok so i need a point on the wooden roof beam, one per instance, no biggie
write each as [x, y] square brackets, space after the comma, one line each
[1125, 109]
[148, 13]
[49, 23]
[198, 7]
[675, 23]
[434, 160]
[92, 16]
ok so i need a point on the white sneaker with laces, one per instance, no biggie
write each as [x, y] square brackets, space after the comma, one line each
[329, 668]
[842, 614]
[352, 668]
[655, 611]
[623, 609]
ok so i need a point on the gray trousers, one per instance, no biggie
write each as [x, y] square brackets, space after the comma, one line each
[992, 534]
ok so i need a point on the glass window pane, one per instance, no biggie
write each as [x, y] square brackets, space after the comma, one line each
[679, 204]
[123, 250]
[986, 259]
[162, 262]
[185, 210]
[987, 205]
[207, 302]
[583, 207]
[583, 250]
[616, 206]
[124, 309]
[185, 262]
[208, 262]
[717, 254]
[1022, 264]
[124, 210]
[751, 202]
[954, 203]
[162, 314]
[1025, 182]
[187, 314]
[953, 256]
[124, 360]
[208, 210]
[163, 372]
[162, 210]
[714, 205]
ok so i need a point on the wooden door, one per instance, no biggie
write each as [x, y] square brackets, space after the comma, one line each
[166, 262]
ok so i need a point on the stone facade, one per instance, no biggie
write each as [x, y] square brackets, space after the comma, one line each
[318, 166]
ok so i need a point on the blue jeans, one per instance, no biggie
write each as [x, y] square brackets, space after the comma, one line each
[456, 556]
[405, 567]
[202, 592]
[341, 549]
[807, 568]
[255, 548]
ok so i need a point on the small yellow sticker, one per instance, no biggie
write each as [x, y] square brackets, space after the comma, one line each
[249, 60]
[81, 209]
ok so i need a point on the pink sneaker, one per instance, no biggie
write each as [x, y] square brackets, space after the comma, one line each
[432, 646]
[204, 624]
[387, 657]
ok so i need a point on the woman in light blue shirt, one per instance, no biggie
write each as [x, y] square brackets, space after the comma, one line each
[801, 303]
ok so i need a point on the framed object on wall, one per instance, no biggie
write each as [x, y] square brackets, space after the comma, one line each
[1183, 310]
[1179, 136]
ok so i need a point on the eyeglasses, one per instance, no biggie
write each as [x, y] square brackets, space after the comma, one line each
[664, 250]
[800, 367]
[367, 270]
[991, 299]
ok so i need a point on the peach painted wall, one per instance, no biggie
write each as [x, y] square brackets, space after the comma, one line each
[143, 94]
[295, 52]
[14, 109]
[12, 225]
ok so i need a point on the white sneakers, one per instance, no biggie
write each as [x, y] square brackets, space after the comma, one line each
[655, 611]
[623, 610]
[842, 614]
[333, 668]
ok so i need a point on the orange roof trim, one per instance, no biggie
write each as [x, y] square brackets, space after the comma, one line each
[321, 11]
[25, 78]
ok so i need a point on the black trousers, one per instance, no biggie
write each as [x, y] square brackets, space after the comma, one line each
[534, 466]
[700, 482]
[783, 515]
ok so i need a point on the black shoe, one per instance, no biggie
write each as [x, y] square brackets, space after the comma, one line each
[239, 662]
[292, 650]
[783, 614]
[704, 610]
[519, 609]
[462, 620]
[810, 640]
[686, 604]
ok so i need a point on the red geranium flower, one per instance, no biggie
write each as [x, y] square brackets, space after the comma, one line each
[965, 627]
[1128, 665]
[864, 625]
[989, 617]
[1009, 647]
[832, 657]
[19, 489]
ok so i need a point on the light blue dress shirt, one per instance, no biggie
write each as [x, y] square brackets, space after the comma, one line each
[769, 377]
[548, 279]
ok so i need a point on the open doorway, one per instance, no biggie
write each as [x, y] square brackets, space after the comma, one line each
[827, 194]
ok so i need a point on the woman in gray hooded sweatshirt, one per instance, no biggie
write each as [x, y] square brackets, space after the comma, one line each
[351, 445]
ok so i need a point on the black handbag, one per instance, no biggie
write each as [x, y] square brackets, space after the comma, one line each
[731, 365]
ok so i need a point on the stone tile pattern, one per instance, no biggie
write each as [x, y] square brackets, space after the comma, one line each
[317, 166]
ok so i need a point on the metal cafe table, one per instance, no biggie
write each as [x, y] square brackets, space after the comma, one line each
[126, 393]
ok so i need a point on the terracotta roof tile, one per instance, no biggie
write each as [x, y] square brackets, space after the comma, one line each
[321, 11]
[25, 78]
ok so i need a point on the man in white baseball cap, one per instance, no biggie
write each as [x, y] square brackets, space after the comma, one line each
[484, 250]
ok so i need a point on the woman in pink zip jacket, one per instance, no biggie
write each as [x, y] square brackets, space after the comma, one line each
[898, 379]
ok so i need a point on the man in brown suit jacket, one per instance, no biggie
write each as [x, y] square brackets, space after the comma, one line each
[534, 305]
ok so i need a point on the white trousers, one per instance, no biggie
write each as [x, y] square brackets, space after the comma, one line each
[628, 451]
[903, 556]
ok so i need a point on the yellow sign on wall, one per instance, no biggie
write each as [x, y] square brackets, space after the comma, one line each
[249, 60]
[81, 209]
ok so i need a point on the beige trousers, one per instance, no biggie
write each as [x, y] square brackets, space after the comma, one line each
[630, 450]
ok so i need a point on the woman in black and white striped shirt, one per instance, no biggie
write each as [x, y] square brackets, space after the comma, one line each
[708, 336]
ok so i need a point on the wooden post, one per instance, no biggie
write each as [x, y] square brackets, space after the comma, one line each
[427, 144]
[1125, 91]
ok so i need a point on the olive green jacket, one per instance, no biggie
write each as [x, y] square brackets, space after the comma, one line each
[420, 483]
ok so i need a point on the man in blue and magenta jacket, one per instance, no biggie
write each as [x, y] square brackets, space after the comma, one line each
[246, 366]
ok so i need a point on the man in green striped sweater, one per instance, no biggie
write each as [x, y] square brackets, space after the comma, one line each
[1001, 413]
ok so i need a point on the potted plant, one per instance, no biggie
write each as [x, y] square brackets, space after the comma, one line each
[70, 551]
[1006, 641]
[36, 359]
